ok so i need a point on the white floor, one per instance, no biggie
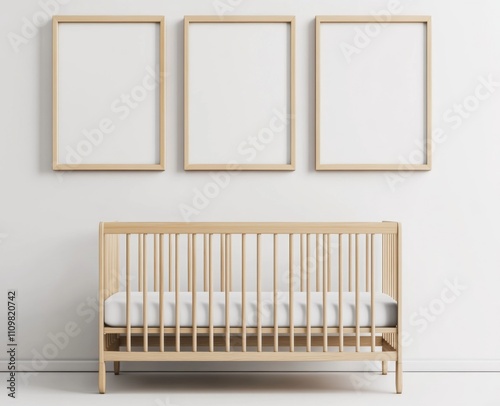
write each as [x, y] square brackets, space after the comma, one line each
[256, 388]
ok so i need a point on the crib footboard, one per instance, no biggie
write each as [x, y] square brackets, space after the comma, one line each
[250, 292]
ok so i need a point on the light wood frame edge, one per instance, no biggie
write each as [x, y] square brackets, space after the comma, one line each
[428, 109]
[102, 349]
[399, 339]
[249, 227]
[236, 166]
[56, 20]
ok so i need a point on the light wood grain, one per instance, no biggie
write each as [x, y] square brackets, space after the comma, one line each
[128, 287]
[290, 166]
[210, 295]
[243, 292]
[291, 292]
[162, 293]
[177, 297]
[267, 341]
[194, 290]
[246, 356]
[259, 294]
[249, 228]
[308, 292]
[145, 291]
[275, 291]
[426, 20]
[113, 19]
[341, 296]
[250, 330]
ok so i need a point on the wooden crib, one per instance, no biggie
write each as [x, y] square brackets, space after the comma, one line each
[250, 292]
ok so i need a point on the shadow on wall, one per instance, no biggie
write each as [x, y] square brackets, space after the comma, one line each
[45, 98]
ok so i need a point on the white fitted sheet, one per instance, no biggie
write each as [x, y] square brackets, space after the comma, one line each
[385, 309]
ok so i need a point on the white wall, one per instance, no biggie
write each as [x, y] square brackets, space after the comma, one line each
[49, 221]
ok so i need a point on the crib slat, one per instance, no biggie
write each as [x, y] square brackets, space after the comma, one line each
[205, 262]
[384, 258]
[357, 292]
[367, 264]
[127, 278]
[384, 281]
[350, 262]
[372, 289]
[193, 290]
[390, 267]
[177, 297]
[275, 295]
[340, 289]
[170, 262]
[117, 265]
[290, 297]
[222, 262]
[302, 261]
[243, 294]
[145, 294]
[259, 301]
[162, 292]
[329, 263]
[318, 268]
[139, 267]
[391, 338]
[227, 298]
[325, 283]
[308, 292]
[210, 295]
[155, 262]
[189, 261]
[229, 262]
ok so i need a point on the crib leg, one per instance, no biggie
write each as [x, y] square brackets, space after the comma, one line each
[102, 377]
[399, 377]
[384, 367]
[117, 367]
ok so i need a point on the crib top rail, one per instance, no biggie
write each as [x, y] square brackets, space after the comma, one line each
[249, 228]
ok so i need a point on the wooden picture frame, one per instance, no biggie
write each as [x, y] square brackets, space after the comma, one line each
[108, 93]
[226, 106]
[389, 114]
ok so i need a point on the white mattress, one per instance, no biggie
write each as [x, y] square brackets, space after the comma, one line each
[385, 309]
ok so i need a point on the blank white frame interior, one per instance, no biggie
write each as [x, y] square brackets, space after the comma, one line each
[239, 93]
[373, 93]
[108, 93]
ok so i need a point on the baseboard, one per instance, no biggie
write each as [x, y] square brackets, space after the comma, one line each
[408, 366]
